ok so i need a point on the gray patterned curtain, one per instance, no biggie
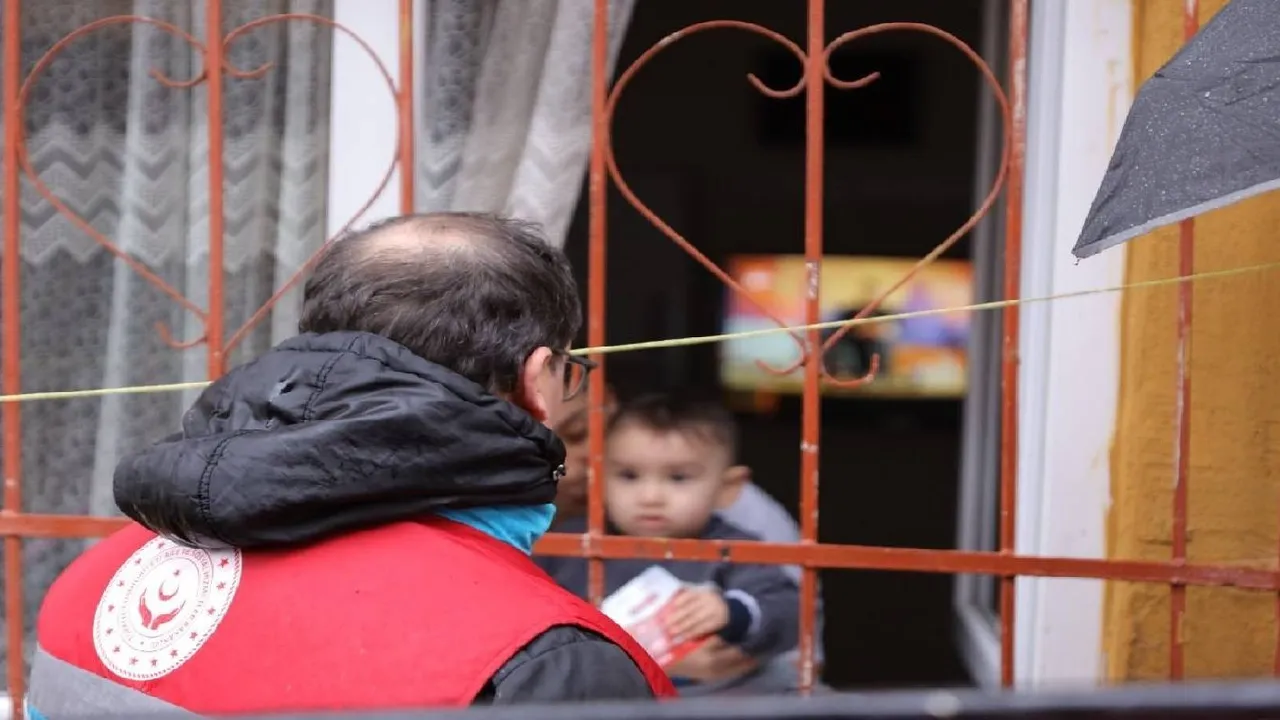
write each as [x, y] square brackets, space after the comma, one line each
[505, 105]
[130, 156]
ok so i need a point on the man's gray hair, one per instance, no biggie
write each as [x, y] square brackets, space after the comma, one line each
[473, 292]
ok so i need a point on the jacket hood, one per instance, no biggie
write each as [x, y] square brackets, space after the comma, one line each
[331, 433]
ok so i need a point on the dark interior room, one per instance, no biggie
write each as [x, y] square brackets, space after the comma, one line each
[724, 165]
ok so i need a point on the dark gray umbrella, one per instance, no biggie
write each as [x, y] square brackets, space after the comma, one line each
[1204, 132]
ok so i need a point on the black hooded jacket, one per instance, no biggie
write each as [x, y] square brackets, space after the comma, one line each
[331, 433]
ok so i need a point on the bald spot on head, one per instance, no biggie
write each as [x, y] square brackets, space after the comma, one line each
[440, 238]
[472, 292]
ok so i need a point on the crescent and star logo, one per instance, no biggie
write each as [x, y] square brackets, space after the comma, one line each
[161, 606]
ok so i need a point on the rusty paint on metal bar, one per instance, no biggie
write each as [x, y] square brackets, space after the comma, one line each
[811, 400]
[849, 557]
[597, 277]
[70, 215]
[658, 223]
[16, 92]
[997, 184]
[214, 59]
[810, 554]
[1011, 329]
[815, 62]
[231, 69]
[868, 557]
[1182, 419]
[404, 108]
[12, 341]
[34, 525]
[835, 556]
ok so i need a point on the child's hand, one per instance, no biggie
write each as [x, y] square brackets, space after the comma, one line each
[696, 612]
[713, 661]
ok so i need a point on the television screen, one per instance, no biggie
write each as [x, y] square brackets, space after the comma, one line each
[921, 357]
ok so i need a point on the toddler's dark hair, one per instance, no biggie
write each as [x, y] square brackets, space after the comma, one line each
[708, 421]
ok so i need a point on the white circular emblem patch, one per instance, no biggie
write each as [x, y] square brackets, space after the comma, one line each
[161, 606]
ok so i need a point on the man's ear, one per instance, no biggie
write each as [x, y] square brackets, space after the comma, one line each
[731, 485]
[531, 389]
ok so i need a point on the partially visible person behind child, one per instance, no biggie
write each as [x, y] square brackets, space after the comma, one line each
[669, 465]
[570, 423]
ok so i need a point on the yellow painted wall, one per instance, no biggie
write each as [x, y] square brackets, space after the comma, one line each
[1234, 495]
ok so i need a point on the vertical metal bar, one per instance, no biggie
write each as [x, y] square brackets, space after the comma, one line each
[404, 108]
[1010, 319]
[12, 383]
[815, 81]
[1182, 423]
[213, 63]
[598, 195]
[12, 301]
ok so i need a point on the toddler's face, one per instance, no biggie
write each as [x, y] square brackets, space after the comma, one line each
[662, 484]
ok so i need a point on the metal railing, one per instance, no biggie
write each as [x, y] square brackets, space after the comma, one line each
[813, 54]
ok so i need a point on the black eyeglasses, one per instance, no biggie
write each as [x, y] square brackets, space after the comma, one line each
[576, 369]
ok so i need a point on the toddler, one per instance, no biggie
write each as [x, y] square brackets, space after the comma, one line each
[668, 468]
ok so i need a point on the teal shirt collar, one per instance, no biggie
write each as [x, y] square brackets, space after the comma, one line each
[519, 526]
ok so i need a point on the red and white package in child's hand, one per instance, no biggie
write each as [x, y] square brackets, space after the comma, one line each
[639, 607]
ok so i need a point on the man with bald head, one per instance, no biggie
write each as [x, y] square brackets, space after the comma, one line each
[345, 522]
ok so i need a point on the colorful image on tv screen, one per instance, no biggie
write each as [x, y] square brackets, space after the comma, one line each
[921, 357]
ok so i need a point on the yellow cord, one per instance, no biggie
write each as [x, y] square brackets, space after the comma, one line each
[993, 305]
[706, 339]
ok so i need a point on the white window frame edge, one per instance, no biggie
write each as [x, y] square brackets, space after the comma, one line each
[1047, 48]
[1076, 49]
[1062, 628]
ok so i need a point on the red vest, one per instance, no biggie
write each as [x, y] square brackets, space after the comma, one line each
[410, 615]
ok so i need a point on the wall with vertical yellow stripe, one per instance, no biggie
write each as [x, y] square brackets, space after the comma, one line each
[1234, 490]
